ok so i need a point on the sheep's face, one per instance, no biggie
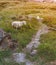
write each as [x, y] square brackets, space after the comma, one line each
[15, 26]
[24, 22]
[38, 17]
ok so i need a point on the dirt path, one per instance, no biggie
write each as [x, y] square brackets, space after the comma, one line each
[35, 41]
[21, 57]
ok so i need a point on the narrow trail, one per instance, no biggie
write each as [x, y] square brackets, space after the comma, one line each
[21, 57]
[35, 41]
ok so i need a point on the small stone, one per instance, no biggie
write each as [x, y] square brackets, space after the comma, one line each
[14, 17]
[7, 41]
[29, 62]
[2, 34]
[12, 44]
[34, 52]
[19, 57]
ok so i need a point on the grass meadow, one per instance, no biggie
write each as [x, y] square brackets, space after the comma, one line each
[47, 48]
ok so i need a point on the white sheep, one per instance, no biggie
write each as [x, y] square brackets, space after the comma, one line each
[39, 18]
[18, 24]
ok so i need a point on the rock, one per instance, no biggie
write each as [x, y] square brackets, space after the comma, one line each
[21, 17]
[12, 44]
[14, 17]
[36, 39]
[2, 34]
[7, 41]
[19, 57]
[33, 52]
[29, 62]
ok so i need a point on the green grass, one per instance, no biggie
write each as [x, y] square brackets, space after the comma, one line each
[24, 34]
[47, 48]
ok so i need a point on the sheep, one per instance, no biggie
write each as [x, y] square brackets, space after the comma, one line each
[39, 19]
[18, 24]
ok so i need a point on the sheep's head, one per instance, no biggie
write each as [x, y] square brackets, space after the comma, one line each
[24, 22]
[38, 17]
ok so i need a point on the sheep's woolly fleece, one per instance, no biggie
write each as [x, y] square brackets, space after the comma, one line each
[18, 24]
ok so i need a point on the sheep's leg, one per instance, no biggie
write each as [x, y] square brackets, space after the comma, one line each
[16, 29]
